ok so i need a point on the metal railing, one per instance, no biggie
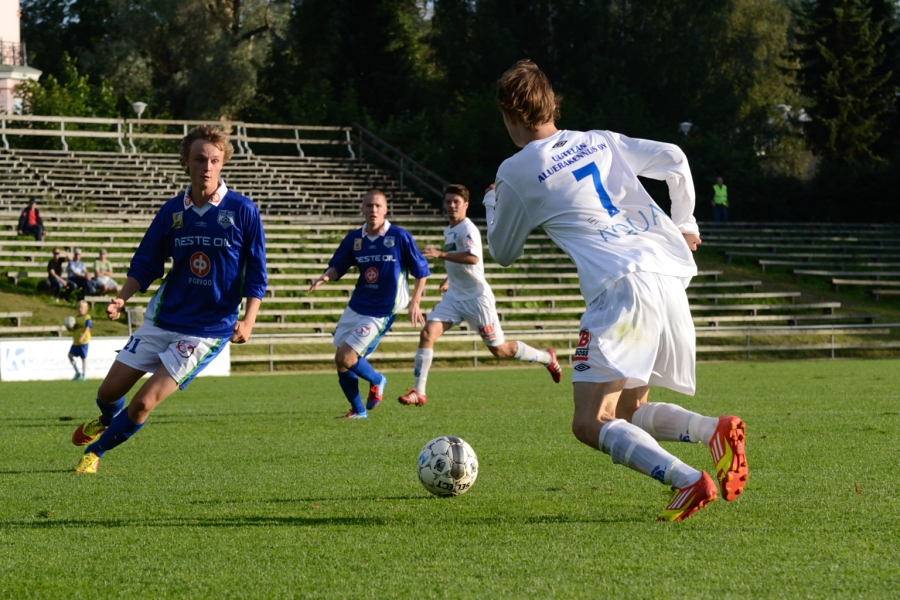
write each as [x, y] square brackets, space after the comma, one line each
[13, 53]
[405, 166]
[128, 130]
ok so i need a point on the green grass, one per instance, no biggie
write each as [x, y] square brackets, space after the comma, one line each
[248, 487]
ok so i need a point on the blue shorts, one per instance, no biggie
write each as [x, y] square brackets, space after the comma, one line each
[79, 351]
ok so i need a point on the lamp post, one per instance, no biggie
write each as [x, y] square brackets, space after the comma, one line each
[686, 127]
[138, 108]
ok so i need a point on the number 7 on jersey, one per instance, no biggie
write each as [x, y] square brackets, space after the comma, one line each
[594, 173]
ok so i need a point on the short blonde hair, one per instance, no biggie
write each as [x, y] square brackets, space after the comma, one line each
[524, 92]
[209, 133]
[82, 303]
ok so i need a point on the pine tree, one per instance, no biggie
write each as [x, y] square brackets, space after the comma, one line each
[842, 54]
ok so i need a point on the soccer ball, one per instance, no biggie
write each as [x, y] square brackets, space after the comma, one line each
[447, 466]
[69, 323]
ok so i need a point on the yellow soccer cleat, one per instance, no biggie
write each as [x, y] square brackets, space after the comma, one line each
[690, 499]
[88, 432]
[88, 463]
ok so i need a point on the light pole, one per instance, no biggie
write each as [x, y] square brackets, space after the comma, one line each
[686, 127]
[138, 108]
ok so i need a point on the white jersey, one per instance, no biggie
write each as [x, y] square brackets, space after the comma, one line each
[582, 188]
[466, 281]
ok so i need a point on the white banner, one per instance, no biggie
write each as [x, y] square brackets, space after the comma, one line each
[45, 359]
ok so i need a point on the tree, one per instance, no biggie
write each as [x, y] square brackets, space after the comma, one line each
[842, 57]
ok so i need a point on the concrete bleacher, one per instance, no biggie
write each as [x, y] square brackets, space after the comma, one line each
[105, 200]
[138, 183]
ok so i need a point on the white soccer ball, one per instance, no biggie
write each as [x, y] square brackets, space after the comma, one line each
[447, 466]
[69, 323]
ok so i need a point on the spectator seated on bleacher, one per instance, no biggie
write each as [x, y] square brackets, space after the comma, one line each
[80, 276]
[30, 221]
[103, 281]
[59, 285]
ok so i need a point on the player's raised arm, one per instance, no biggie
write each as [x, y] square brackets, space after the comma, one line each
[508, 224]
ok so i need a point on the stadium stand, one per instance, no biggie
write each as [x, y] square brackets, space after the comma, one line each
[94, 200]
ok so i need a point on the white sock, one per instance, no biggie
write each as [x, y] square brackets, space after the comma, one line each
[633, 447]
[526, 353]
[424, 356]
[671, 423]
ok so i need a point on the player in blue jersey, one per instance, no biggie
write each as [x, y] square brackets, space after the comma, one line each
[216, 240]
[384, 255]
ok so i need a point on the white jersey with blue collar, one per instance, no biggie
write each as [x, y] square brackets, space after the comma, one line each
[219, 257]
[384, 262]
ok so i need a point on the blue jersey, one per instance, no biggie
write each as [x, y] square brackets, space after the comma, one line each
[384, 261]
[218, 254]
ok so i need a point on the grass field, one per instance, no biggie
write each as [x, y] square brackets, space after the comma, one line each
[248, 487]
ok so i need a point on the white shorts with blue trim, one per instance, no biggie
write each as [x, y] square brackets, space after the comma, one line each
[480, 313]
[184, 356]
[361, 332]
[640, 329]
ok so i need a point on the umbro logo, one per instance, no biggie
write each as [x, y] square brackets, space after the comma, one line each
[560, 143]
[581, 367]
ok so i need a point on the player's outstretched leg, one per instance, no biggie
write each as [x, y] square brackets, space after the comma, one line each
[525, 353]
[350, 386]
[723, 435]
[89, 431]
[635, 448]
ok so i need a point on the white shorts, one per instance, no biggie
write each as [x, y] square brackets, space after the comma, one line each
[361, 332]
[480, 313]
[640, 329]
[183, 356]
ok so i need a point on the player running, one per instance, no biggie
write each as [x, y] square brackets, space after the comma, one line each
[384, 255]
[634, 263]
[468, 298]
[216, 240]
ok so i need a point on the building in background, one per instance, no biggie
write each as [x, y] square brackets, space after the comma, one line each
[14, 67]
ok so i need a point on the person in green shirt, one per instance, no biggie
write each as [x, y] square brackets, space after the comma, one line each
[720, 202]
[81, 335]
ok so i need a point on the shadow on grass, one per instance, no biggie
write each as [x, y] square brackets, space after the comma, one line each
[34, 471]
[263, 521]
[270, 521]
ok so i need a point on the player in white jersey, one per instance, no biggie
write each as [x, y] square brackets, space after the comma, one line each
[467, 297]
[633, 263]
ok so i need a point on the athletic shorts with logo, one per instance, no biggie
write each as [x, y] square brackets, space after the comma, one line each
[361, 332]
[639, 329]
[184, 356]
[480, 313]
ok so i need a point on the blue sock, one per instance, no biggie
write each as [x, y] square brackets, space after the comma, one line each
[365, 370]
[119, 431]
[108, 411]
[350, 384]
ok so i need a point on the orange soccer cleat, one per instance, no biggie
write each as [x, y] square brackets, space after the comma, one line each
[690, 499]
[553, 367]
[727, 449]
[88, 432]
[376, 392]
